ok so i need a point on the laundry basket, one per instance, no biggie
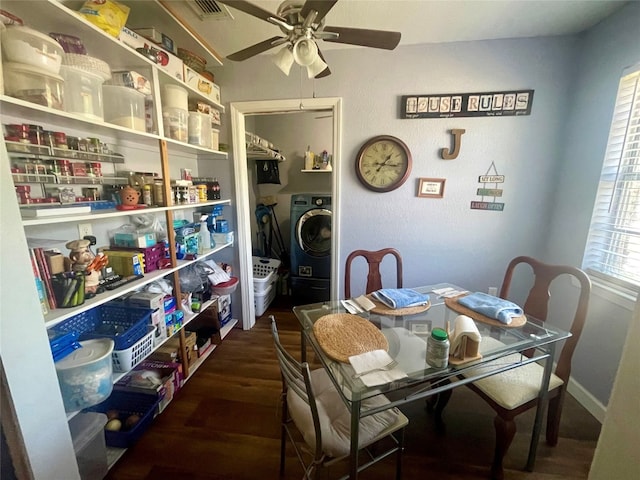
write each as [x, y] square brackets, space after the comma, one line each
[265, 273]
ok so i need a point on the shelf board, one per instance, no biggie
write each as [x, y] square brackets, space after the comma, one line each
[102, 214]
[67, 121]
[317, 171]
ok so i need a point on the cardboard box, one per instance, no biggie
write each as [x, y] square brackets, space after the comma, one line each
[163, 379]
[132, 39]
[200, 84]
[134, 240]
[222, 304]
[172, 64]
[203, 107]
[132, 79]
[125, 263]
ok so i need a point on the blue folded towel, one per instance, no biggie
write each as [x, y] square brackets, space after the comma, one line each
[492, 307]
[400, 297]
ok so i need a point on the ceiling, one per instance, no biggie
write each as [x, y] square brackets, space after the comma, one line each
[419, 21]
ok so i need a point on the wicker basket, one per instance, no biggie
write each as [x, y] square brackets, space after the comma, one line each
[192, 60]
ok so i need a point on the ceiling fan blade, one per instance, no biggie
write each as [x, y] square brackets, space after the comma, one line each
[256, 49]
[364, 37]
[320, 6]
[252, 9]
[326, 72]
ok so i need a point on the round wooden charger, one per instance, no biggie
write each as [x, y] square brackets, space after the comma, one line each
[453, 304]
[382, 309]
[342, 335]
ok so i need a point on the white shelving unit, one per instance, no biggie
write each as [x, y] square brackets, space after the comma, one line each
[136, 147]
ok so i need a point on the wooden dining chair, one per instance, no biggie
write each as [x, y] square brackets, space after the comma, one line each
[312, 406]
[515, 391]
[374, 278]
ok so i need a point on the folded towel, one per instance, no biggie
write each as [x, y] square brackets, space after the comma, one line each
[492, 307]
[376, 362]
[400, 297]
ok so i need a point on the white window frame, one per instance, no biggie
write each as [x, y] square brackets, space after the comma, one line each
[612, 252]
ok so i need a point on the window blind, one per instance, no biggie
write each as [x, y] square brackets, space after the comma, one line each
[612, 252]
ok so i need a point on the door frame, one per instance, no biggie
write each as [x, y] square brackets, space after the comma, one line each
[238, 112]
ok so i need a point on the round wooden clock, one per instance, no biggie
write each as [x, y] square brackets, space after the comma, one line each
[383, 163]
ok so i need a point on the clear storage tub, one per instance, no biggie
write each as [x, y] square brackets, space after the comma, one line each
[176, 123]
[200, 129]
[33, 84]
[124, 106]
[82, 92]
[87, 433]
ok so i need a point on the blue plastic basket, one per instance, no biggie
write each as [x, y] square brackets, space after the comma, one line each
[128, 403]
[124, 325]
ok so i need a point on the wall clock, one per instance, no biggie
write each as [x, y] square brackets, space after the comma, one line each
[383, 163]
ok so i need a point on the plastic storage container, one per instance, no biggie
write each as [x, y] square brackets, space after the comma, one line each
[87, 433]
[85, 375]
[82, 92]
[126, 404]
[25, 45]
[174, 96]
[265, 273]
[34, 85]
[124, 106]
[176, 124]
[261, 301]
[200, 129]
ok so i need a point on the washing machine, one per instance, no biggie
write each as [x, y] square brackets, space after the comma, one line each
[310, 219]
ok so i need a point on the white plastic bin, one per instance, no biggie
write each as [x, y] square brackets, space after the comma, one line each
[261, 301]
[82, 92]
[85, 375]
[87, 432]
[174, 96]
[124, 106]
[265, 273]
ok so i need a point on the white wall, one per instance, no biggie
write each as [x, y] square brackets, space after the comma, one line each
[443, 239]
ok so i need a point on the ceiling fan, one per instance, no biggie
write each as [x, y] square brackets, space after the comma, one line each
[302, 24]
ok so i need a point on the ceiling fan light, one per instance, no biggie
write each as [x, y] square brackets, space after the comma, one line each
[284, 59]
[305, 52]
[316, 67]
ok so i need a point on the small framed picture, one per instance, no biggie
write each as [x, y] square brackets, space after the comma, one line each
[431, 187]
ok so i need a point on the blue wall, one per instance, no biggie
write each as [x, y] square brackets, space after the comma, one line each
[543, 156]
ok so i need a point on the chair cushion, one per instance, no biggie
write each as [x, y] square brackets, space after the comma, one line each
[514, 387]
[335, 418]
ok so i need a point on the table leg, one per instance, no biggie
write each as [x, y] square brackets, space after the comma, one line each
[543, 397]
[355, 430]
[303, 346]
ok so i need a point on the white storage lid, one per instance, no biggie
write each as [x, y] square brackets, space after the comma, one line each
[91, 351]
[20, 32]
[25, 68]
[82, 71]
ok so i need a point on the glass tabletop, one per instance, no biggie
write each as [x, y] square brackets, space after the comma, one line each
[407, 338]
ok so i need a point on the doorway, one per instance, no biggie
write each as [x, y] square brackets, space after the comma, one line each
[239, 111]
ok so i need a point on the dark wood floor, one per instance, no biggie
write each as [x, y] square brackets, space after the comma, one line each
[224, 424]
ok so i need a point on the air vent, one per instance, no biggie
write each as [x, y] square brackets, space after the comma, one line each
[210, 10]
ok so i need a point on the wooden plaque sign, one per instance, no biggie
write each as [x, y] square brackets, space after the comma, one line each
[481, 104]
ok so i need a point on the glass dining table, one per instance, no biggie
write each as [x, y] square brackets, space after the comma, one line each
[407, 339]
